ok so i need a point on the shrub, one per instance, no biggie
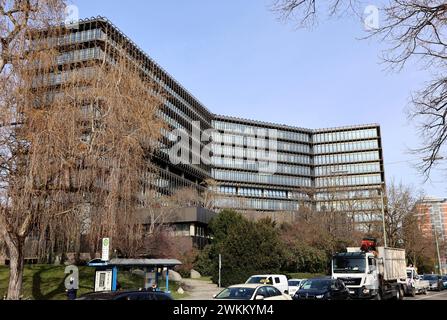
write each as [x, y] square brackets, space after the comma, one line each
[203, 264]
[188, 260]
[303, 258]
[246, 247]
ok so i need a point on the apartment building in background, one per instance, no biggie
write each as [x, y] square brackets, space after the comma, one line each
[432, 214]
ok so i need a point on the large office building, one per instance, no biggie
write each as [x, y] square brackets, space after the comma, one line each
[258, 166]
[96, 40]
[269, 167]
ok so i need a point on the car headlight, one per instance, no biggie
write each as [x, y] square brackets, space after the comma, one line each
[366, 291]
[320, 296]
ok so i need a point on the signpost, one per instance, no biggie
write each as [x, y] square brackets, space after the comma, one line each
[220, 270]
[105, 249]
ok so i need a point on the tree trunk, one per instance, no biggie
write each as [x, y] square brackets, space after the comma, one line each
[15, 247]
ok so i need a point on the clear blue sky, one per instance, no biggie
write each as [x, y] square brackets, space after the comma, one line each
[239, 60]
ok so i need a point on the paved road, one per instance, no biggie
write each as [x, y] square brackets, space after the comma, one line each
[432, 295]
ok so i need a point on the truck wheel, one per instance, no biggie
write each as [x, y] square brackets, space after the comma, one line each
[397, 297]
[399, 293]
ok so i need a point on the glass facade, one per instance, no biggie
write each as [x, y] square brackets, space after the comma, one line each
[258, 166]
[345, 135]
[250, 177]
[336, 166]
[98, 40]
[348, 160]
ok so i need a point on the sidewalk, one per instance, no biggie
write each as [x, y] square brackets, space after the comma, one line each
[199, 289]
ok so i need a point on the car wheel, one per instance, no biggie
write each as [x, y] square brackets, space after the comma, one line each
[413, 292]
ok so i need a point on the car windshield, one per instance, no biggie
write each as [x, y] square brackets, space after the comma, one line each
[294, 283]
[260, 280]
[430, 277]
[316, 284]
[349, 264]
[236, 293]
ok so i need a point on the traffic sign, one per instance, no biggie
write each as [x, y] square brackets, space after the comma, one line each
[105, 249]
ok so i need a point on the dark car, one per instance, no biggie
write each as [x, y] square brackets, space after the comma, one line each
[142, 295]
[322, 289]
[435, 281]
[444, 281]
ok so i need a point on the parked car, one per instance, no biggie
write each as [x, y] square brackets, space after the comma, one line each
[141, 295]
[444, 281]
[322, 289]
[252, 292]
[294, 285]
[435, 281]
[278, 281]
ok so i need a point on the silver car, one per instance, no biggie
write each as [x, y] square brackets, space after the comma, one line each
[435, 281]
[252, 292]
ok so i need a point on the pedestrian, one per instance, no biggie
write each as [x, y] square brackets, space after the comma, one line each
[72, 292]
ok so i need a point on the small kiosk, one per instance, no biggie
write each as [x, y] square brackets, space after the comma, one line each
[106, 275]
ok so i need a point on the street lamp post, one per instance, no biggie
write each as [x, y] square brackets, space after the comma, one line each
[437, 250]
[220, 271]
[436, 231]
[382, 196]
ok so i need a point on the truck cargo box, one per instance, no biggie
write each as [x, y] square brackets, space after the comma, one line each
[392, 263]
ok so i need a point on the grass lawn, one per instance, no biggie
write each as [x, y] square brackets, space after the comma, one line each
[46, 282]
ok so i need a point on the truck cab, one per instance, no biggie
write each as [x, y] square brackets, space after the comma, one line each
[371, 272]
[358, 270]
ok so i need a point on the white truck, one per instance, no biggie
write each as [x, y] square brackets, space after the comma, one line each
[372, 273]
[415, 284]
[279, 281]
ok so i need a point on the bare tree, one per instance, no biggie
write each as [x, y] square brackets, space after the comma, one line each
[418, 245]
[18, 19]
[414, 30]
[74, 142]
[306, 13]
[400, 204]
[317, 230]
[208, 196]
